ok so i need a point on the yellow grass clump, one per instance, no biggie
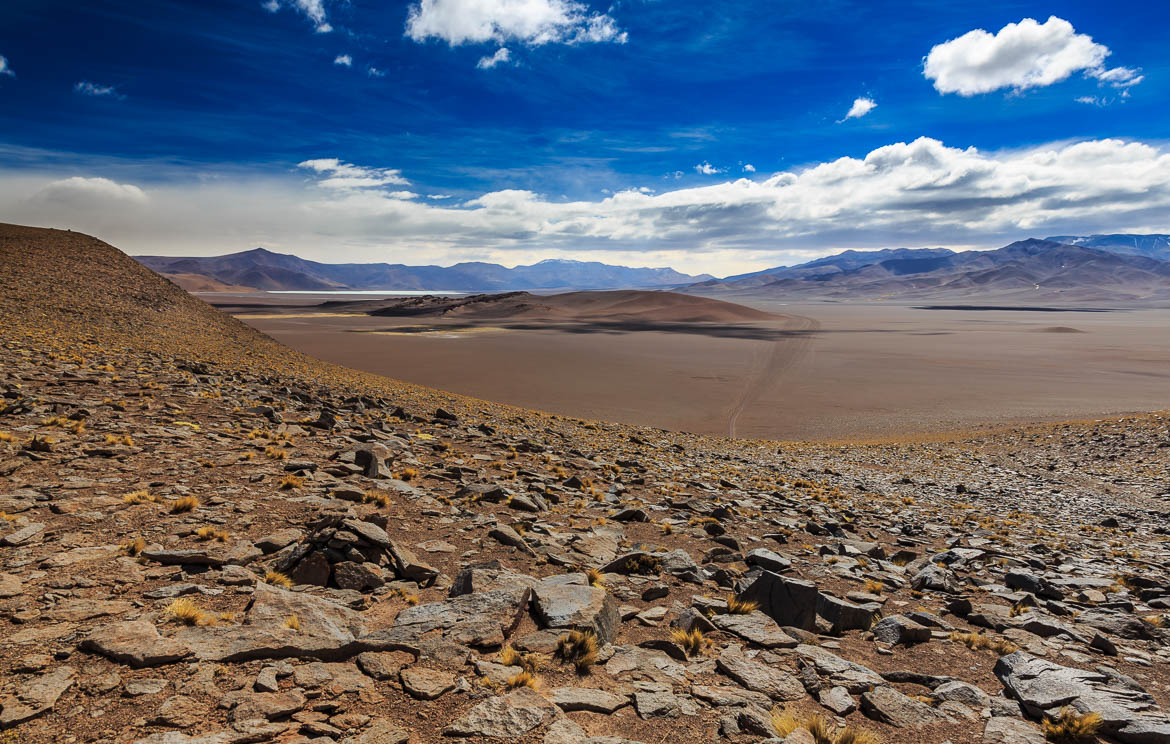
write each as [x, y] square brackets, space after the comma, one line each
[595, 577]
[579, 648]
[1071, 727]
[276, 578]
[140, 497]
[822, 729]
[737, 606]
[692, 641]
[209, 533]
[511, 657]
[523, 679]
[187, 612]
[184, 505]
[292, 622]
[290, 482]
[134, 547]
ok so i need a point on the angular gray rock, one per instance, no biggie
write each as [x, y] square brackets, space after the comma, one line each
[511, 715]
[1043, 688]
[136, 643]
[577, 606]
[753, 675]
[755, 627]
[790, 602]
[34, 697]
[887, 705]
[897, 629]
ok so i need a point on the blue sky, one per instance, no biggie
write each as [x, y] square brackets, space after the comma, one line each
[619, 132]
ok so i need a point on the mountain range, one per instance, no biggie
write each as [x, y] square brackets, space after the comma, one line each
[1096, 267]
[263, 269]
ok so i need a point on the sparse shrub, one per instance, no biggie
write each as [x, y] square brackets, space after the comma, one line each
[737, 606]
[579, 648]
[523, 679]
[208, 533]
[187, 612]
[184, 505]
[1071, 727]
[692, 641]
[276, 578]
[290, 481]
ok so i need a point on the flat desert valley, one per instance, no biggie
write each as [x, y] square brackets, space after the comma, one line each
[813, 371]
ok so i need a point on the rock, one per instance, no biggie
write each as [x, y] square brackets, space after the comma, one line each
[35, 696]
[383, 665]
[380, 731]
[279, 540]
[180, 711]
[570, 699]
[755, 627]
[314, 569]
[897, 629]
[136, 643]
[426, 684]
[480, 619]
[23, 535]
[10, 586]
[838, 700]
[962, 692]
[1001, 730]
[139, 687]
[887, 705]
[843, 615]
[1026, 582]
[753, 675]
[357, 576]
[251, 706]
[657, 703]
[853, 677]
[511, 715]
[767, 560]
[790, 602]
[1043, 688]
[935, 578]
[1119, 624]
[564, 731]
[571, 606]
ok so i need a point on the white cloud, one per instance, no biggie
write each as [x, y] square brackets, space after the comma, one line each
[502, 56]
[438, 197]
[344, 60]
[4, 68]
[706, 169]
[341, 176]
[87, 88]
[314, 10]
[919, 193]
[749, 168]
[860, 107]
[527, 21]
[1022, 55]
[374, 72]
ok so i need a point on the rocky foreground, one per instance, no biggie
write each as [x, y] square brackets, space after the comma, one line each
[205, 538]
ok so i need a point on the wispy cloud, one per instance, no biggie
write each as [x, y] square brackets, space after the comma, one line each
[374, 72]
[502, 56]
[860, 107]
[4, 68]
[532, 22]
[87, 88]
[1020, 56]
[314, 10]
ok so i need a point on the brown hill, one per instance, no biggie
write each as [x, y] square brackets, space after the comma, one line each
[616, 306]
[201, 283]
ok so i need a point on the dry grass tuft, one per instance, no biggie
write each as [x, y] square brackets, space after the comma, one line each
[184, 505]
[979, 642]
[511, 657]
[821, 729]
[187, 612]
[523, 679]
[275, 453]
[134, 547]
[874, 587]
[381, 498]
[276, 578]
[1071, 727]
[140, 497]
[292, 622]
[209, 533]
[692, 641]
[595, 577]
[737, 606]
[579, 648]
[290, 482]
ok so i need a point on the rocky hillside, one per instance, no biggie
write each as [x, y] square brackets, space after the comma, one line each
[206, 538]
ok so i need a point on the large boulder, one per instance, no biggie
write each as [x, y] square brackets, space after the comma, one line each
[577, 606]
[1043, 688]
[134, 642]
[790, 602]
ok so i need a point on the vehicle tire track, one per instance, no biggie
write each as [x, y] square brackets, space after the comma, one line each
[794, 343]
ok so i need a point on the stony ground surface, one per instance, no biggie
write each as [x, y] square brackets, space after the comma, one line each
[206, 538]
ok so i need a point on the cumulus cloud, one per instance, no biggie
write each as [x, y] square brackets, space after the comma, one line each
[87, 88]
[749, 168]
[344, 60]
[374, 72]
[527, 21]
[706, 169]
[860, 107]
[1020, 56]
[502, 56]
[919, 193]
[4, 68]
[314, 10]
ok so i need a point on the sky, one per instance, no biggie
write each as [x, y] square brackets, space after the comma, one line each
[710, 137]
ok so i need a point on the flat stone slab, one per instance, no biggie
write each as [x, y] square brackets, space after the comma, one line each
[755, 627]
[753, 675]
[512, 715]
[136, 643]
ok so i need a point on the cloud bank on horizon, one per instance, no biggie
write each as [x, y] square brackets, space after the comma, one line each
[515, 130]
[910, 193]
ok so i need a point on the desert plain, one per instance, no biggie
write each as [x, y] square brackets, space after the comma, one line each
[815, 370]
